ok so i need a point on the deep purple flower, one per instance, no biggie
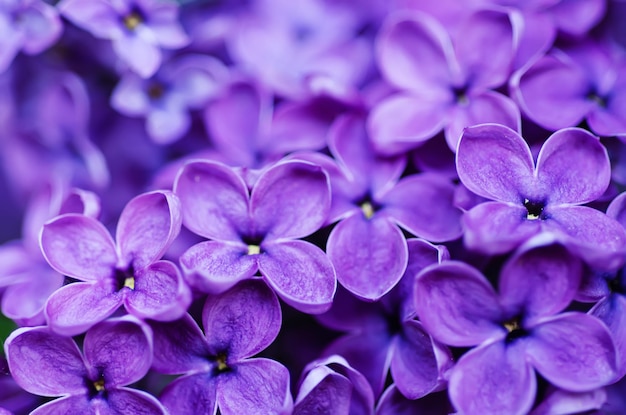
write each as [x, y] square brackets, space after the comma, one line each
[528, 198]
[385, 337]
[392, 402]
[331, 386]
[116, 353]
[27, 25]
[257, 230]
[515, 331]
[127, 272]
[582, 81]
[219, 371]
[137, 28]
[445, 83]
[181, 84]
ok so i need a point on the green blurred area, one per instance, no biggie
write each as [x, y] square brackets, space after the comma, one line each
[6, 327]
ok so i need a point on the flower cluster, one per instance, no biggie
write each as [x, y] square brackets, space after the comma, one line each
[285, 207]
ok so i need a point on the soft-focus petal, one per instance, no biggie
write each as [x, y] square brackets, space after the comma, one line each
[159, 293]
[369, 255]
[214, 200]
[413, 363]
[493, 379]
[290, 200]
[257, 386]
[74, 308]
[98, 17]
[301, 274]
[78, 246]
[45, 363]
[457, 305]
[147, 227]
[214, 267]
[141, 55]
[574, 351]
[423, 204]
[167, 123]
[191, 395]
[119, 350]
[242, 321]
[495, 162]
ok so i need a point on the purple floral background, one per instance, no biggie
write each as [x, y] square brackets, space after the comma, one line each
[341, 207]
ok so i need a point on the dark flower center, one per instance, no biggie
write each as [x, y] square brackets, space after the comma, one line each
[254, 244]
[460, 94]
[156, 91]
[221, 363]
[132, 20]
[597, 99]
[616, 284]
[514, 329]
[125, 278]
[96, 388]
[368, 206]
[534, 209]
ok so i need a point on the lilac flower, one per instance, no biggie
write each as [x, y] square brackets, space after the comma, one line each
[182, 84]
[257, 230]
[517, 331]
[28, 25]
[219, 371]
[572, 168]
[384, 336]
[585, 80]
[111, 274]
[26, 277]
[332, 386]
[138, 29]
[445, 83]
[370, 201]
[116, 353]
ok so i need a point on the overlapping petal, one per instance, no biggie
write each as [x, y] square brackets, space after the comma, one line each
[132, 401]
[191, 394]
[70, 405]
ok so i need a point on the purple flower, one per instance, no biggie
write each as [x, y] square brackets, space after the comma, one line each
[182, 84]
[392, 402]
[332, 386]
[559, 401]
[28, 25]
[116, 353]
[445, 83]
[515, 331]
[137, 28]
[219, 371]
[257, 230]
[111, 274]
[582, 81]
[572, 168]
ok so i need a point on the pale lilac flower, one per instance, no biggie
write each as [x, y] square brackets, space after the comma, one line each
[116, 353]
[182, 84]
[528, 198]
[444, 83]
[257, 230]
[138, 29]
[331, 386]
[218, 367]
[112, 274]
[516, 331]
[30, 26]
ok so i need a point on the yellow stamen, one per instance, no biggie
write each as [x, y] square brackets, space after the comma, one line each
[129, 282]
[368, 210]
[512, 325]
[221, 362]
[99, 385]
[132, 20]
[254, 249]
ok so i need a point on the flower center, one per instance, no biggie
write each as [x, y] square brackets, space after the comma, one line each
[596, 99]
[367, 209]
[534, 209]
[221, 365]
[514, 329]
[132, 20]
[99, 385]
[125, 278]
[155, 91]
[254, 249]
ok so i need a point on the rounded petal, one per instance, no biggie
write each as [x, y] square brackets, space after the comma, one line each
[99, 17]
[214, 200]
[147, 227]
[168, 124]
[160, 293]
[300, 273]
[42, 27]
[493, 379]
[191, 395]
[369, 255]
[497, 228]
[290, 200]
[612, 312]
[423, 204]
[78, 246]
[142, 55]
[457, 305]
[617, 209]
[45, 363]
[119, 351]
[242, 321]
[573, 351]
[214, 267]
[129, 96]
[70, 405]
[329, 394]
[132, 401]
[413, 363]
[257, 386]
[495, 162]
[74, 308]
[573, 167]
